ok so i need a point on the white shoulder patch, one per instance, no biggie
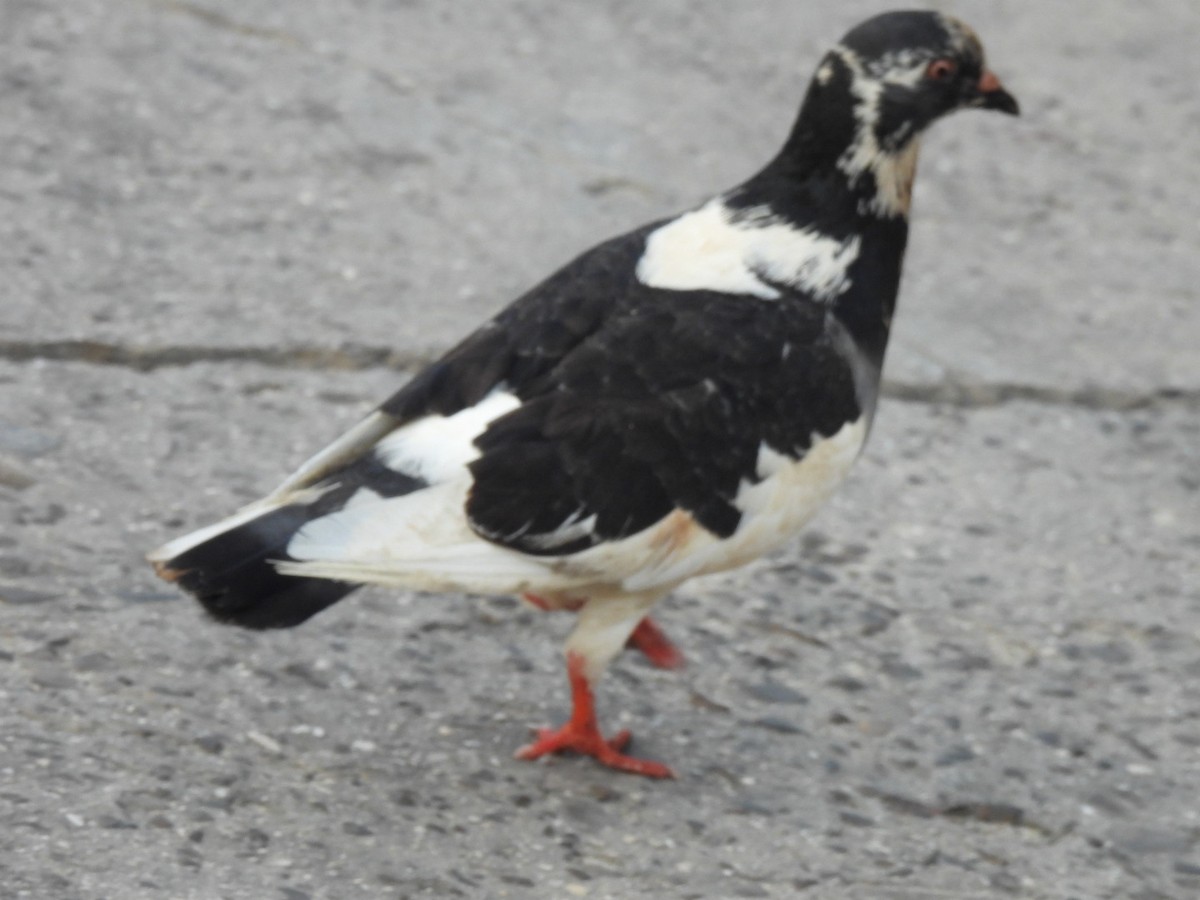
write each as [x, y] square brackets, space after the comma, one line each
[709, 249]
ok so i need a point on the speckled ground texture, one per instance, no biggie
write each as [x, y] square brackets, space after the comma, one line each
[229, 228]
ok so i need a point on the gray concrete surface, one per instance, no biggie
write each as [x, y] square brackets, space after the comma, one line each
[225, 227]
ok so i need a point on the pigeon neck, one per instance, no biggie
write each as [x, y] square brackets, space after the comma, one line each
[821, 197]
[836, 141]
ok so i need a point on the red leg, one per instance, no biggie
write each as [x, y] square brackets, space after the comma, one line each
[537, 601]
[647, 637]
[656, 646]
[582, 734]
[545, 605]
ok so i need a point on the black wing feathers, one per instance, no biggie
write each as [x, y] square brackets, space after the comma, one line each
[665, 406]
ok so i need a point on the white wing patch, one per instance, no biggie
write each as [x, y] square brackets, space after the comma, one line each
[438, 448]
[711, 249]
[420, 540]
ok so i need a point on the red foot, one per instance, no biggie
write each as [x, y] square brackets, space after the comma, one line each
[591, 743]
[582, 735]
[655, 645]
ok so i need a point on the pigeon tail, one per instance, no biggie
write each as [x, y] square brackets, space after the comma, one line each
[231, 571]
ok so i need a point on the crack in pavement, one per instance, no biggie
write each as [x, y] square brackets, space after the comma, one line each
[348, 357]
[980, 394]
[959, 392]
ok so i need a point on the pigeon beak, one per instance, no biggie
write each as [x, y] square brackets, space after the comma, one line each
[992, 95]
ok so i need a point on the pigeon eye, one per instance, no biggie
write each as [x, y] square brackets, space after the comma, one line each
[941, 70]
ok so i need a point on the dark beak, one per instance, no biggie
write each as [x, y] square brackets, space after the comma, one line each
[992, 95]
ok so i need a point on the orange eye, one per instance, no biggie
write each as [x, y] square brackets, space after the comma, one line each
[941, 70]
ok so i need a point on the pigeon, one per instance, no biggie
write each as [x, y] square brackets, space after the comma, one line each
[674, 402]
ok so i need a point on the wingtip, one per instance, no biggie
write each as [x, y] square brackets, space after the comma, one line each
[163, 571]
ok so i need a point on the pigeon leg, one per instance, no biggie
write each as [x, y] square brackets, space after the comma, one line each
[582, 734]
[603, 628]
[647, 637]
[655, 645]
[567, 605]
[535, 600]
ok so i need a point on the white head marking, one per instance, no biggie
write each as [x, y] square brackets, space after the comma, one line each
[893, 169]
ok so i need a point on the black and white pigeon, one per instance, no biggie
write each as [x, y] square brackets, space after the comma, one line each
[676, 401]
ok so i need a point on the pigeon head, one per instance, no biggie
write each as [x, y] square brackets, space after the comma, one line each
[909, 68]
[875, 92]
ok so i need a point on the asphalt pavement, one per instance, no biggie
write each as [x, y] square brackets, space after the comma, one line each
[228, 229]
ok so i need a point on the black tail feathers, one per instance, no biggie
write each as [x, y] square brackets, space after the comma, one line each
[232, 574]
